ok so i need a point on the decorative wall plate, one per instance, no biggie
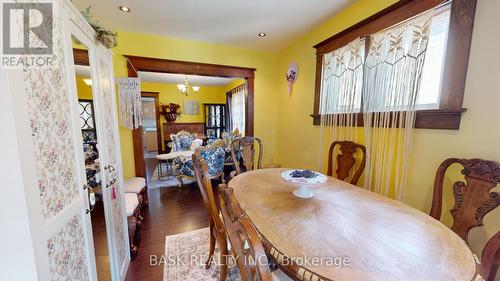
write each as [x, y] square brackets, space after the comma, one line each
[291, 75]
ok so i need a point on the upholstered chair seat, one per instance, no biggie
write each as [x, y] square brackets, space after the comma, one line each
[134, 185]
[137, 185]
[131, 203]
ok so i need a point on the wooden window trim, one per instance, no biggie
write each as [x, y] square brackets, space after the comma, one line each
[450, 110]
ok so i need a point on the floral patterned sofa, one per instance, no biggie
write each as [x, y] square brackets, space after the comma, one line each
[214, 156]
[183, 141]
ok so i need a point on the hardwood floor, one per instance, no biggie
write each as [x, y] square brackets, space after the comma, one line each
[150, 168]
[151, 164]
[171, 211]
[100, 242]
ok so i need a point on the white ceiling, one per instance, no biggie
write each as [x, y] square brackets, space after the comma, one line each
[194, 80]
[229, 22]
[82, 70]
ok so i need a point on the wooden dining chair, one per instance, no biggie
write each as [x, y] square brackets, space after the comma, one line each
[473, 200]
[245, 242]
[243, 154]
[346, 160]
[217, 233]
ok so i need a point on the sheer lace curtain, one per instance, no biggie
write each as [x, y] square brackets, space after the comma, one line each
[238, 102]
[383, 83]
[129, 97]
[392, 75]
[341, 93]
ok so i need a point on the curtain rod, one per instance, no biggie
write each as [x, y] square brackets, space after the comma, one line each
[437, 10]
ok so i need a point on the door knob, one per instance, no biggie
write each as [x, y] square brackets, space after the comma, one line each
[111, 183]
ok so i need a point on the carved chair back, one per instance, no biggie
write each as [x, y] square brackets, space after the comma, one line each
[229, 137]
[473, 200]
[205, 186]
[346, 160]
[245, 148]
[245, 242]
[215, 223]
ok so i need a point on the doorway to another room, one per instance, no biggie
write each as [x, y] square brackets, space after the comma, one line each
[216, 107]
[202, 100]
[151, 138]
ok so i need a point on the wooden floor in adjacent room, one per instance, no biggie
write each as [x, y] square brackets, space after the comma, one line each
[171, 211]
[100, 242]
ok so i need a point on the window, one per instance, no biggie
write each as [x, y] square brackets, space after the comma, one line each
[238, 102]
[440, 97]
[215, 120]
[342, 77]
[430, 86]
[87, 122]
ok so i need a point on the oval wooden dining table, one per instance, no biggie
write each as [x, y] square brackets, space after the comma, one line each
[348, 233]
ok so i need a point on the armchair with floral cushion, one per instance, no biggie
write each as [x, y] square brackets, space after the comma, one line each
[212, 154]
[183, 141]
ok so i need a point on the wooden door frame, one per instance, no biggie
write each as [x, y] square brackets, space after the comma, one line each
[137, 63]
[156, 96]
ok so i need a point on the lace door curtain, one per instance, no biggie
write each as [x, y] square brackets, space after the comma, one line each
[129, 97]
[391, 81]
[238, 103]
[342, 81]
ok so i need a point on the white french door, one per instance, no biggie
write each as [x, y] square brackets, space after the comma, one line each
[46, 129]
[46, 162]
[107, 129]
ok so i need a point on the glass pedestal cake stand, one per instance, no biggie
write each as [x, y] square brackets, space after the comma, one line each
[303, 184]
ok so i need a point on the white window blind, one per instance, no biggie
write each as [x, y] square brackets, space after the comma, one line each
[428, 96]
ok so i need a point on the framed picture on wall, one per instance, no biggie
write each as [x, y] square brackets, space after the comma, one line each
[191, 107]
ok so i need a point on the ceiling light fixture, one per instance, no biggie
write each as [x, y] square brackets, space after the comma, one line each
[88, 82]
[124, 9]
[187, 89]
[262, 34]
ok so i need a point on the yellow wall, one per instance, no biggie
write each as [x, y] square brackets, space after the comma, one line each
[294, 121]
[84, 90]
[169, 93]
[185, 50]
[477, 137]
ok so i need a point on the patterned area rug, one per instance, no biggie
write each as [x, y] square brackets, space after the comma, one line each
[185, 256]
[165, 181]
